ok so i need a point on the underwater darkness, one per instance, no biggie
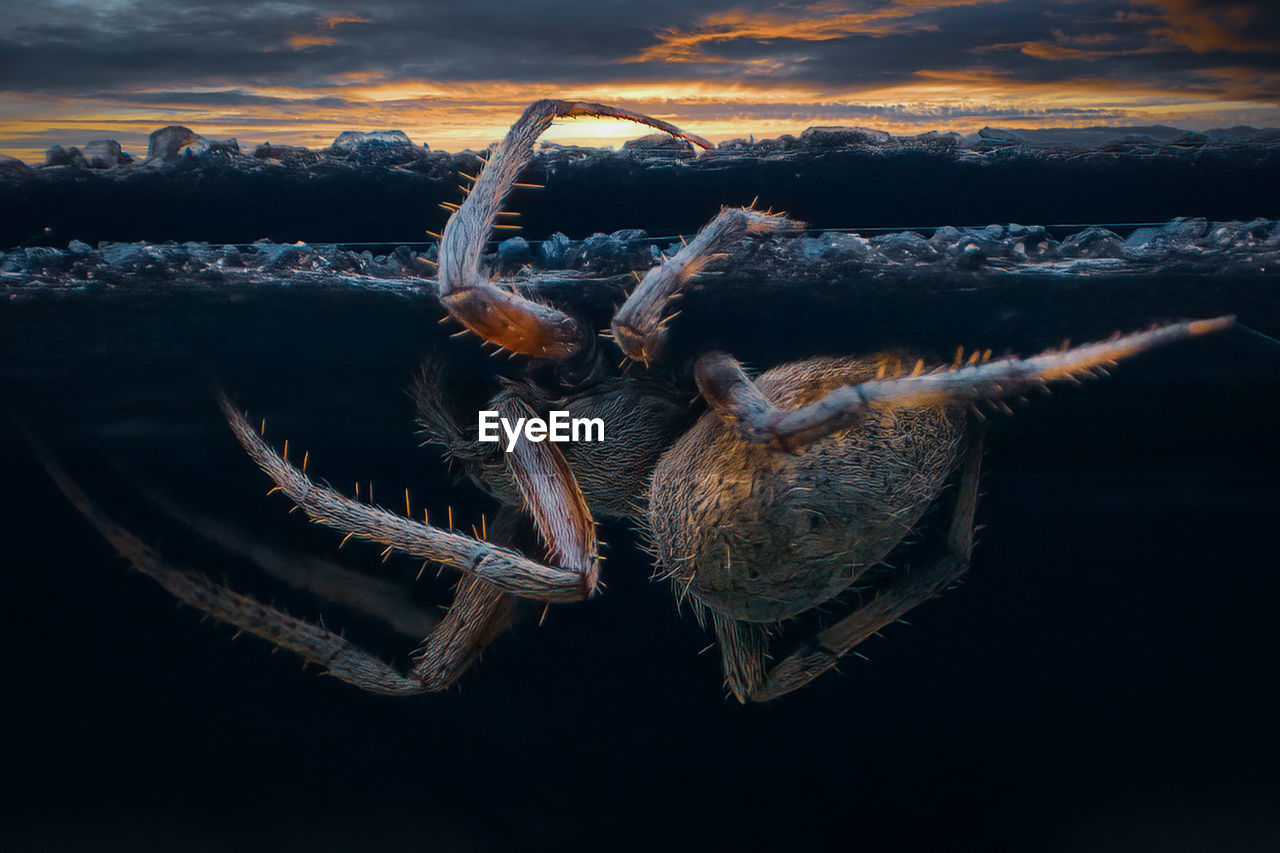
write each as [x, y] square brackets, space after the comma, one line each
[1104, 679]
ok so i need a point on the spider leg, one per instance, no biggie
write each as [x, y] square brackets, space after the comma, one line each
[744, 650]
[553, 498]
[478, 615]
[738, 401]
[640, 326]
[374, 597]
[546, 482]
[481, 611]
[743, 644]
[336, 655]
[500, 316]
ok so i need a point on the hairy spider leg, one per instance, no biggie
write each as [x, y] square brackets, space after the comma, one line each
[500, 316]
[375, 597]
[507, 570]
[333, 653]
[478, 615]
[641, 325]
[742, 406]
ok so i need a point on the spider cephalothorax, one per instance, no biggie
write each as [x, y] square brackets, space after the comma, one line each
[775, 497]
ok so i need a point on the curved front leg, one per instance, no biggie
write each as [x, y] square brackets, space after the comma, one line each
[500, 316]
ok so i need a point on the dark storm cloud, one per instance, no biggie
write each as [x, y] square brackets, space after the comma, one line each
[61, 47]
[227, 98]
[1023, 41]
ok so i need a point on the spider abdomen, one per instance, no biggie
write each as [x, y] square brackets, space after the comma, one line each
[759, 535]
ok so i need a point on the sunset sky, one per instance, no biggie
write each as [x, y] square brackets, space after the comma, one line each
[454, 74]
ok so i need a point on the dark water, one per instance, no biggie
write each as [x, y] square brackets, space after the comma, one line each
[242, 199]
[1104, 679]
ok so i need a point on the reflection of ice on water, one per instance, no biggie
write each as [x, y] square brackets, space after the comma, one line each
[1191, 245]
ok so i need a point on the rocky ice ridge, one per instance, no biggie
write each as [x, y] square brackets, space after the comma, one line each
[1182, 245]
[394, 148]
[173, 144]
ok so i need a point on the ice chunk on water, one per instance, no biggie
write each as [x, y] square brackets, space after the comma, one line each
[354, 140]
[169, 143]
[289, 155]
[12, 164]
[934, 139]
[379, 147]
[229, 147]
[105, 154]
[1092, 243]
[660, 145]
[56, 155]
[1030, 240]
[554, 250]
[1000, 136]
[513, 253]
[1178, 234]
[811, 248]
[838, 137]
[904, 246]
[851, 245]
[98, 154]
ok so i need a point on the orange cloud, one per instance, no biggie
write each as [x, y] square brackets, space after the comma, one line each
[1062, 49]
[299, 42]
[1051, 50]
[832, 21]
[305, 40]
[1044, 50]
[1245, 84]
[1181, 24]
[345, 18]
[1204, 27]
